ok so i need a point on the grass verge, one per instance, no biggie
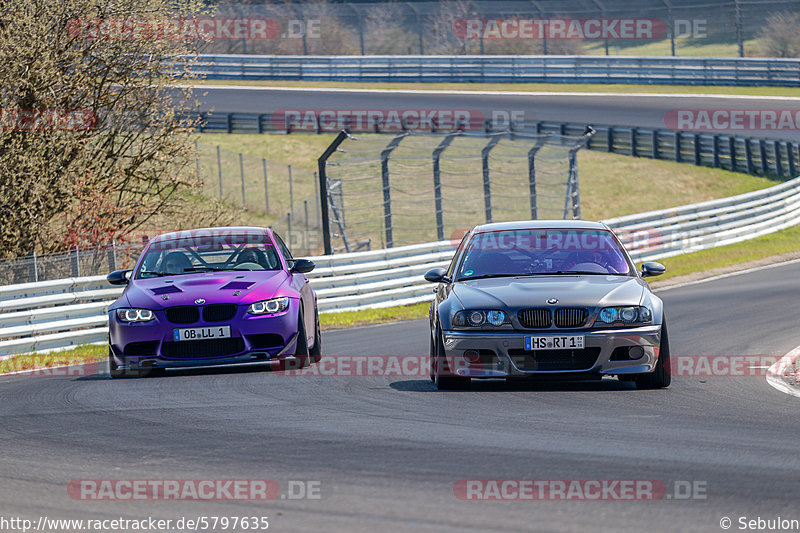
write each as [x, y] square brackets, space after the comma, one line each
[700, 264]
[517, 87]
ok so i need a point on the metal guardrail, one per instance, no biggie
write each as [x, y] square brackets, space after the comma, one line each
[62, 313]
[752, 155]
[504, 69]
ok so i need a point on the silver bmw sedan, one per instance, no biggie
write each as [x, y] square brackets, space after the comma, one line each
[546, 299]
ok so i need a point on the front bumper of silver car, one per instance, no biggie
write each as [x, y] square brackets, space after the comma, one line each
[502, 354]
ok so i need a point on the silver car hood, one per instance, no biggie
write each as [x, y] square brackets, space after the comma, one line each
[570, 290]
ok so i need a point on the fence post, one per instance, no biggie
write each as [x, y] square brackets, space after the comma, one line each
[219, 171]
[387, 195]
[289, 228]
[316, 200]
[112, 256]
[437, 184]
[266, 189]
[778, 163]
[762, 148]
[610, 139]
[748, 151]
[790, 156]
[532, 177]
[76, 263]
[323, 189]
[487, 183]
[305, 225]
[732, 152]
[697, 156]
[634, 151]
[32, 274]
[678, 146]
[655, 145]
[291, 191]
[715, 149]
[241, 174]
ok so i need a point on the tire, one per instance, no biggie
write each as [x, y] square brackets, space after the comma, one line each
[659, 378]
[446, 381]
[431, 357]
[113, 368]
[316, 351]
[301, 352]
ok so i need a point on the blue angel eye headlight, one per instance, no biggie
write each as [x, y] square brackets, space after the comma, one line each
[478, 318]
[496, 318]
[608, 315]
[629, 315]
[269, 307]
[135, 315]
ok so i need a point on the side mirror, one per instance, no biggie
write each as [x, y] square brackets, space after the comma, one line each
[119, 277]
[437, 275]
[304, 266]
[651, 268]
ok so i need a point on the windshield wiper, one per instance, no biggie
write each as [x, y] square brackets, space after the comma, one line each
[532, 274]
[206, 269]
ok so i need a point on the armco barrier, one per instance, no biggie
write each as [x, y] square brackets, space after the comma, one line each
[62, 313]
[504, 69]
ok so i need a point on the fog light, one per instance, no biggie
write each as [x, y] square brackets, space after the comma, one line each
[635, 352]
[472, 356]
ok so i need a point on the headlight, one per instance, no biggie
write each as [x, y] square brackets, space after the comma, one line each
[268, 307]
[135, 315]
[625, 315]
[477, 318]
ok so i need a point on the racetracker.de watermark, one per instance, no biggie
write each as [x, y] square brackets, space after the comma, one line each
[393, 120]
[553, 29]
[733, 119]
[47, 120]
[192, 490]
[174, 29]
[578, 490]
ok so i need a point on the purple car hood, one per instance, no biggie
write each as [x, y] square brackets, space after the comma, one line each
[239, 287]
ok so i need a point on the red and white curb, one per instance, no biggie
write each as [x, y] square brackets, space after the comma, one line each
[776, 374]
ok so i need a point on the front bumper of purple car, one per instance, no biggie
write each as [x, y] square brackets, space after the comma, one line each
[238, 337]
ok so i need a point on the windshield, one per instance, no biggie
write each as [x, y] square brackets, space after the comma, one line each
[543, 252]
[188, 256]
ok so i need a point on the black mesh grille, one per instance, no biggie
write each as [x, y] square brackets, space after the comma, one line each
[206, 348]
[265, 340]
[141, 348]
[555, 360]
[219, 312]
[183, 314]
[535, 318]
[569, 317]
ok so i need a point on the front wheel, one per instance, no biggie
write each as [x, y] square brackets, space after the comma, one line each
[659, 378]
[113, 369]
[316, 351]
[301, 352]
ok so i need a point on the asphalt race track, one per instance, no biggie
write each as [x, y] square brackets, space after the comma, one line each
[387, 451]
[647, 111]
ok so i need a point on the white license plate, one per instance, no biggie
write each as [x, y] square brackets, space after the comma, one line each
[199, 334]
[563, 342]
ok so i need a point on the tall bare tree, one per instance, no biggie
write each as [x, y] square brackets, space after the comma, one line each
[92, 142]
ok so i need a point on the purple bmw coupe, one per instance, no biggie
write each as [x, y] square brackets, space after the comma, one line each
[215, 296]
